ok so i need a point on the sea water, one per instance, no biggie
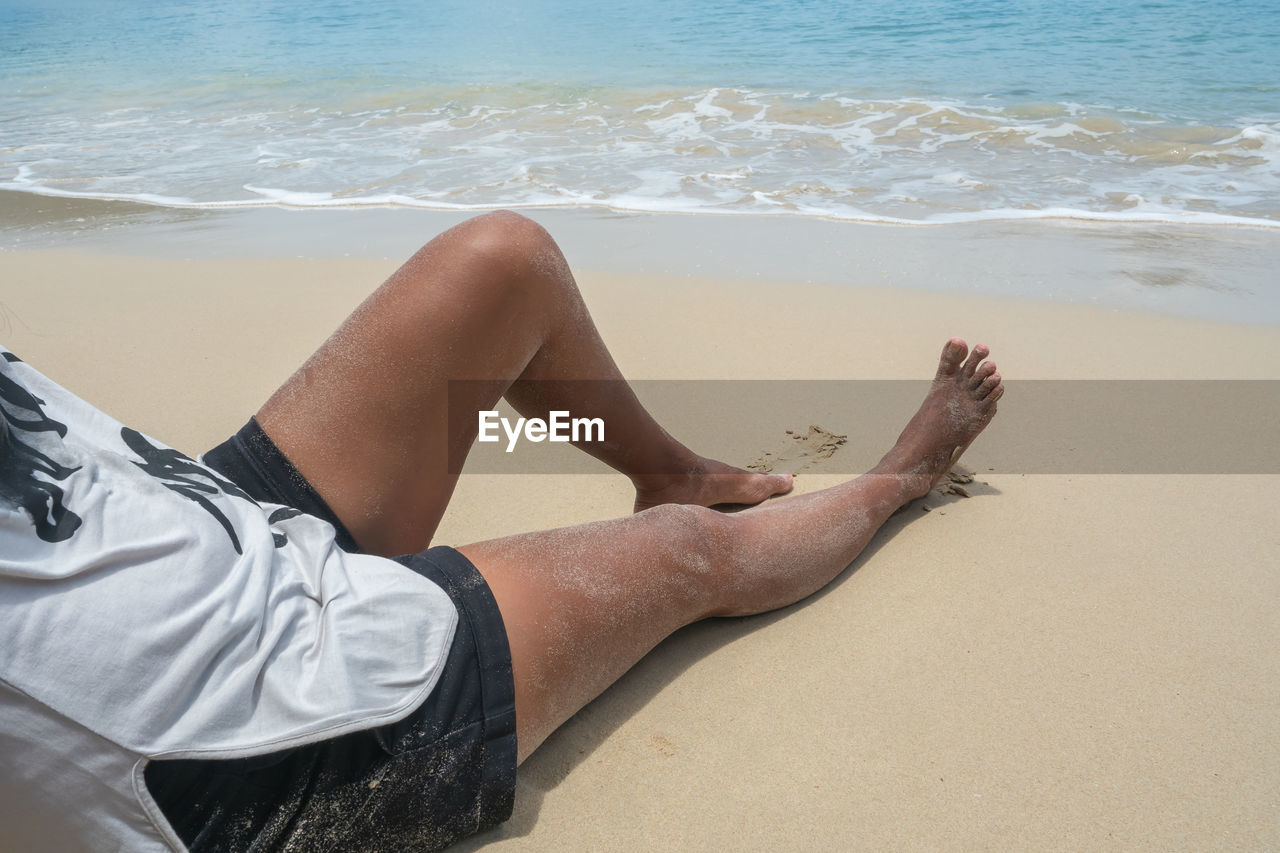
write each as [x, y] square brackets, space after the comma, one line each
[883, 110]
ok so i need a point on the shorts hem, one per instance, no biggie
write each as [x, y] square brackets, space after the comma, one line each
[252, 461]
[458, 576]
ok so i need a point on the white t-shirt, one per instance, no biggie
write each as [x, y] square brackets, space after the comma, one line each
[150, 609]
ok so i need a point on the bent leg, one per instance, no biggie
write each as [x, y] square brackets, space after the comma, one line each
[584, 604]
[366, 419]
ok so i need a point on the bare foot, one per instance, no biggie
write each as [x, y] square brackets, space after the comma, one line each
[959, 405]
[707, 483]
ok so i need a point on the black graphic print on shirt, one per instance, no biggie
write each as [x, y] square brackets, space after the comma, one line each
[21, 465]
[280, 515]
[180, 473]
[30, 479]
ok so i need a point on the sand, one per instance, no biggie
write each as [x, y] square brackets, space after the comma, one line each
[1060, 660]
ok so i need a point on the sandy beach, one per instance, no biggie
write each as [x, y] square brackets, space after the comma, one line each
[1057, 661]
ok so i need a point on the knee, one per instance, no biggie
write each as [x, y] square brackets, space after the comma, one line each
[697, 538]
[510, 246]
[503, 228]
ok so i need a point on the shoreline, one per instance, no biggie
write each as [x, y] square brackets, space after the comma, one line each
[1212, 272]
[406, 203]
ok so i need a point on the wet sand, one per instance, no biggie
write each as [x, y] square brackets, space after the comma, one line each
[1058, 660]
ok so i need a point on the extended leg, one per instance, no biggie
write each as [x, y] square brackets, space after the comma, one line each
[366, 418]
[584, 604]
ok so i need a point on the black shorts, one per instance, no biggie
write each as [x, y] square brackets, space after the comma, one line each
[444, 772]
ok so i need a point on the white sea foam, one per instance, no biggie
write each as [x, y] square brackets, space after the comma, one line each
[720, 150]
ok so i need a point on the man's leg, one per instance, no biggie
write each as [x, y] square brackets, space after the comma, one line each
[582, 605]
[366, 418]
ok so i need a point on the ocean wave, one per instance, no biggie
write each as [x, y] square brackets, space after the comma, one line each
[729, 151]
[305, 201]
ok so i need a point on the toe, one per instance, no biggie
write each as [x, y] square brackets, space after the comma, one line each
[975, 358]
[982, 374]
[952, 354]
[759, 488]
[768, 485]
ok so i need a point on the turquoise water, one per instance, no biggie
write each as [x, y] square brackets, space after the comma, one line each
[916, 110]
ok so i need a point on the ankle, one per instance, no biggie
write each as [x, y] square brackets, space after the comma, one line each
[915, 472]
